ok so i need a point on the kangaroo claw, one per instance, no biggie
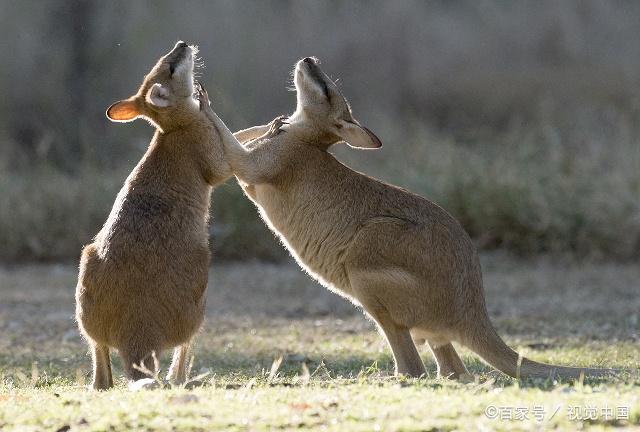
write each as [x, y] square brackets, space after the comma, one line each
[203, 96]
[276, 125]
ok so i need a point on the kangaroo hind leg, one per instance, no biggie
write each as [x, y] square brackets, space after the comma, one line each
[449, 363]
[178, 370]
[102, 377]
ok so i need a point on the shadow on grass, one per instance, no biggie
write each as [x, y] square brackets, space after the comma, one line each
[239, 367]
[231, 364]
[334, 366]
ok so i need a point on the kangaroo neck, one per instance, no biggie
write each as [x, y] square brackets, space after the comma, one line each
[171, 166]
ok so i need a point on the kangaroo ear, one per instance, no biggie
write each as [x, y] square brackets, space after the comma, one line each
[158, 96]
[123, 111]
[357, 136]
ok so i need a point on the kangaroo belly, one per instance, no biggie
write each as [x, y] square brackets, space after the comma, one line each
[169, 315]
[157, 297]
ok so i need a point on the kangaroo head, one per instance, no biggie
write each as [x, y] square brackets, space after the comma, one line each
[322, 112]
[165, 97]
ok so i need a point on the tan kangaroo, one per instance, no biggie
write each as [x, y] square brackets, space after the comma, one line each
[142, 282]
[405, 260]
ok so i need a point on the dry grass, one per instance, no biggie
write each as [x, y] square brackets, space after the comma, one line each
[526, 190]
[541, 300]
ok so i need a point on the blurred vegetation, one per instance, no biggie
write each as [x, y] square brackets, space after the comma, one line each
[520, 118]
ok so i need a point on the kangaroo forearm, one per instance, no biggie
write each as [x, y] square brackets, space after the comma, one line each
[251, 133]
[244, 163]
[248, 166]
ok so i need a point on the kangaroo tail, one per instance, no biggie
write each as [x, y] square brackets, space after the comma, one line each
[486, 342]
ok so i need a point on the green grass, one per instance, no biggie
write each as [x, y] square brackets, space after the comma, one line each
[336, 370]
[367, 403]
[349, 388]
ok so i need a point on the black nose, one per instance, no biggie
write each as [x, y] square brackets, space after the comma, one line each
[308, 60]
[181, 44]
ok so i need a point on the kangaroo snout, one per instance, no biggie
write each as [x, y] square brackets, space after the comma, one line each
[307, 63]
[179, 53]
[179, 50]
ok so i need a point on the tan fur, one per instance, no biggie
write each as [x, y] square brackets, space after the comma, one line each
[141, 286]
[409, 263]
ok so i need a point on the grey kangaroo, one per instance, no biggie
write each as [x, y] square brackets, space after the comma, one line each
[404, 259]
[142, 282]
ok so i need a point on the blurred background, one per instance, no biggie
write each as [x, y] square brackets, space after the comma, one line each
[521, 118]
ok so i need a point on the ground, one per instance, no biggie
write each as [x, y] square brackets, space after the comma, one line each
[335, 370]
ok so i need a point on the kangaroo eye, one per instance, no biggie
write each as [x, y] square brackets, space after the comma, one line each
[172, 68]
[338, 125]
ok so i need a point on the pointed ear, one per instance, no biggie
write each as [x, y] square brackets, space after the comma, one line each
[124, 111]
[357, 136]
[158, 96]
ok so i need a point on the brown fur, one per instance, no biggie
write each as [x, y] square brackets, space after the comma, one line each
[142, 282]
[405, 260]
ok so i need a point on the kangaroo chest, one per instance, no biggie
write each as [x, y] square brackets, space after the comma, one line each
[308, 230]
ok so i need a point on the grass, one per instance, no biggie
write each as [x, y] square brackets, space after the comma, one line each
[336, 370]
[529, 190]
[561, 177]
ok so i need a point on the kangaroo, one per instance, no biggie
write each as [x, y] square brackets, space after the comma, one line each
[142, 282]
[407, 262]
